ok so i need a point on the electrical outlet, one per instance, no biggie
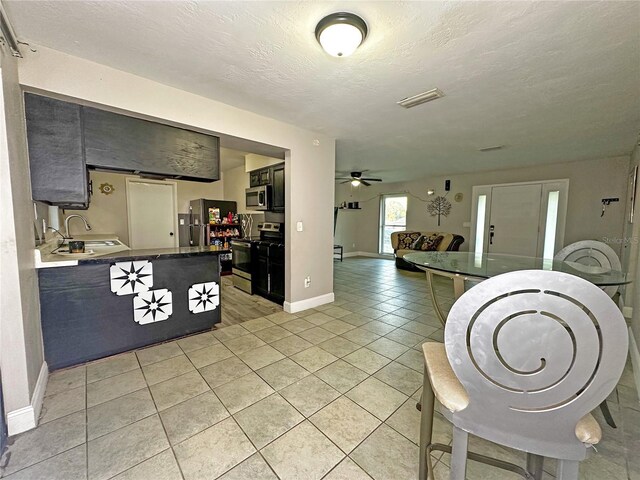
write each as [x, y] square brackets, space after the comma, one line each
[307, 282]
[182, 221]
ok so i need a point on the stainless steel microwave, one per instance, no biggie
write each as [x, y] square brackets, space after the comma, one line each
[258, 198]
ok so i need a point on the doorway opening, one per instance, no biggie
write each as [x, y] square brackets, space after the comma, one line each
[152, 211]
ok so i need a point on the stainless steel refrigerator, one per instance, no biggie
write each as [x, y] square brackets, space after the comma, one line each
[199, 218]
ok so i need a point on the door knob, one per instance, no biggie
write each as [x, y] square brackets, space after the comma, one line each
[171, 234]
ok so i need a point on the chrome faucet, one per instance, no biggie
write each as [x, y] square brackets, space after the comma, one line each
[87, 227]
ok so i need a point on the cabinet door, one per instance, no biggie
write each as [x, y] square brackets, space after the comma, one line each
[277, 203]
[56, 157]
[254, 179]
[120, 142]
[265, 176]
[276, 270]
[260, 273]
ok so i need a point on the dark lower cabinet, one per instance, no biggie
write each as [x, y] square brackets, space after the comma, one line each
[260, 275]
[268, 271]
[276, 264]
[83, 320]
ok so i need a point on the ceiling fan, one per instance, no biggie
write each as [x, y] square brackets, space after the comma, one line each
[356, 179]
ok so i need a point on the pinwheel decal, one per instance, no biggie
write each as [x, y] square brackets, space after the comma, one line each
[152, 306]
[204, 297]
[128, 278]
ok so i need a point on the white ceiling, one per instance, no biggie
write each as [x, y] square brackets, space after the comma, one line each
[553, 81]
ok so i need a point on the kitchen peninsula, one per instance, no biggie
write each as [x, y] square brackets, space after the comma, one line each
[119, 301]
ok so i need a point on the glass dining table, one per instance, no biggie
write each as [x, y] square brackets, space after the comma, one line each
[469, 266]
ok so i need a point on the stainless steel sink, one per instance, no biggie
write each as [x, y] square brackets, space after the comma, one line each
[93, 248]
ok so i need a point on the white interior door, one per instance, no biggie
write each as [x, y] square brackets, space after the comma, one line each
[514, 221]
[152, 208]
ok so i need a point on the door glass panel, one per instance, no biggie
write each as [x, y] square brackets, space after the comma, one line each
[551, 224]
[480, 221]
[393, 218]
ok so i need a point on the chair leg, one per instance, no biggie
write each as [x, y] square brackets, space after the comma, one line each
[534, 465]
[426, 426]
[459, 454]
[606, 413]
[567, 470]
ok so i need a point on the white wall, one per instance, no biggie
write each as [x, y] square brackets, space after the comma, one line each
[21, 353]
[632, 236]
[108, 213]
[589, 182]
[310, 155]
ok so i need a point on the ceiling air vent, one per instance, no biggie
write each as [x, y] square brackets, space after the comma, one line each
[423, 97]
[491, 149]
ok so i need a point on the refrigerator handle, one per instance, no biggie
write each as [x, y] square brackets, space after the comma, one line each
[190, 225]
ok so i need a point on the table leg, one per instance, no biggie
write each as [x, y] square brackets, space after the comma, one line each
[436, 307]
[458, 286]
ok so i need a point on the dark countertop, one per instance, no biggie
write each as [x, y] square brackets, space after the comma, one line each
[152, 254]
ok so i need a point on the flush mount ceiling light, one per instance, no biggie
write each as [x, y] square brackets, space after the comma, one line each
[340, 34]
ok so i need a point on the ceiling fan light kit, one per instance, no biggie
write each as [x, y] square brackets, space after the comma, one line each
[340, 34]
[356, 179]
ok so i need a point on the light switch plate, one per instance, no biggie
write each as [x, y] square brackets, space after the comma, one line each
[299, 227]
[182, 221]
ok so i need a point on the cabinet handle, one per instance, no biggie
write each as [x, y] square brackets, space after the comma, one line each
[269, 283]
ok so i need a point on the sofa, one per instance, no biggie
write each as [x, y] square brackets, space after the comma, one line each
[405, 242]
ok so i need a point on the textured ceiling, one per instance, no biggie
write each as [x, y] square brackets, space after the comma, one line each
[553, 81]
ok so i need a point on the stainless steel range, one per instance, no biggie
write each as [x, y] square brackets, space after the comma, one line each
[258, 262]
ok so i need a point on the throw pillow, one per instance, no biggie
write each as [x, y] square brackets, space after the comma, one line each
[431, 242]
[418, 243]
[406, 239]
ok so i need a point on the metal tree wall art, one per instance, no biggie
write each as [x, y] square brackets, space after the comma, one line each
[439, 206]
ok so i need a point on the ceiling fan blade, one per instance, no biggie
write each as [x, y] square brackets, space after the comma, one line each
[372, 179]
[343, 178]
[364, 182]
[346, 181]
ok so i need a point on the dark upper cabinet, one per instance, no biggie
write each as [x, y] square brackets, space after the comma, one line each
[254, 179]
[260, 177]
[277, 182]
[119, 142]
[273, 176]
[59, 173]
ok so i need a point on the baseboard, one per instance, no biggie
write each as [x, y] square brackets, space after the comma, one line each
[367, 254]
[26, 418]
[635, 359]
[293, 307]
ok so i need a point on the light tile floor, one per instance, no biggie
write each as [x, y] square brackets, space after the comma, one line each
[326, 393]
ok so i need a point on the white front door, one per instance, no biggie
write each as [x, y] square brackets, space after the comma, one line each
[515, 219]
[152, 214]
[519, 218]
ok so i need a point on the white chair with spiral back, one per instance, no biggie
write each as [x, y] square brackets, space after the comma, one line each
[527, 356]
